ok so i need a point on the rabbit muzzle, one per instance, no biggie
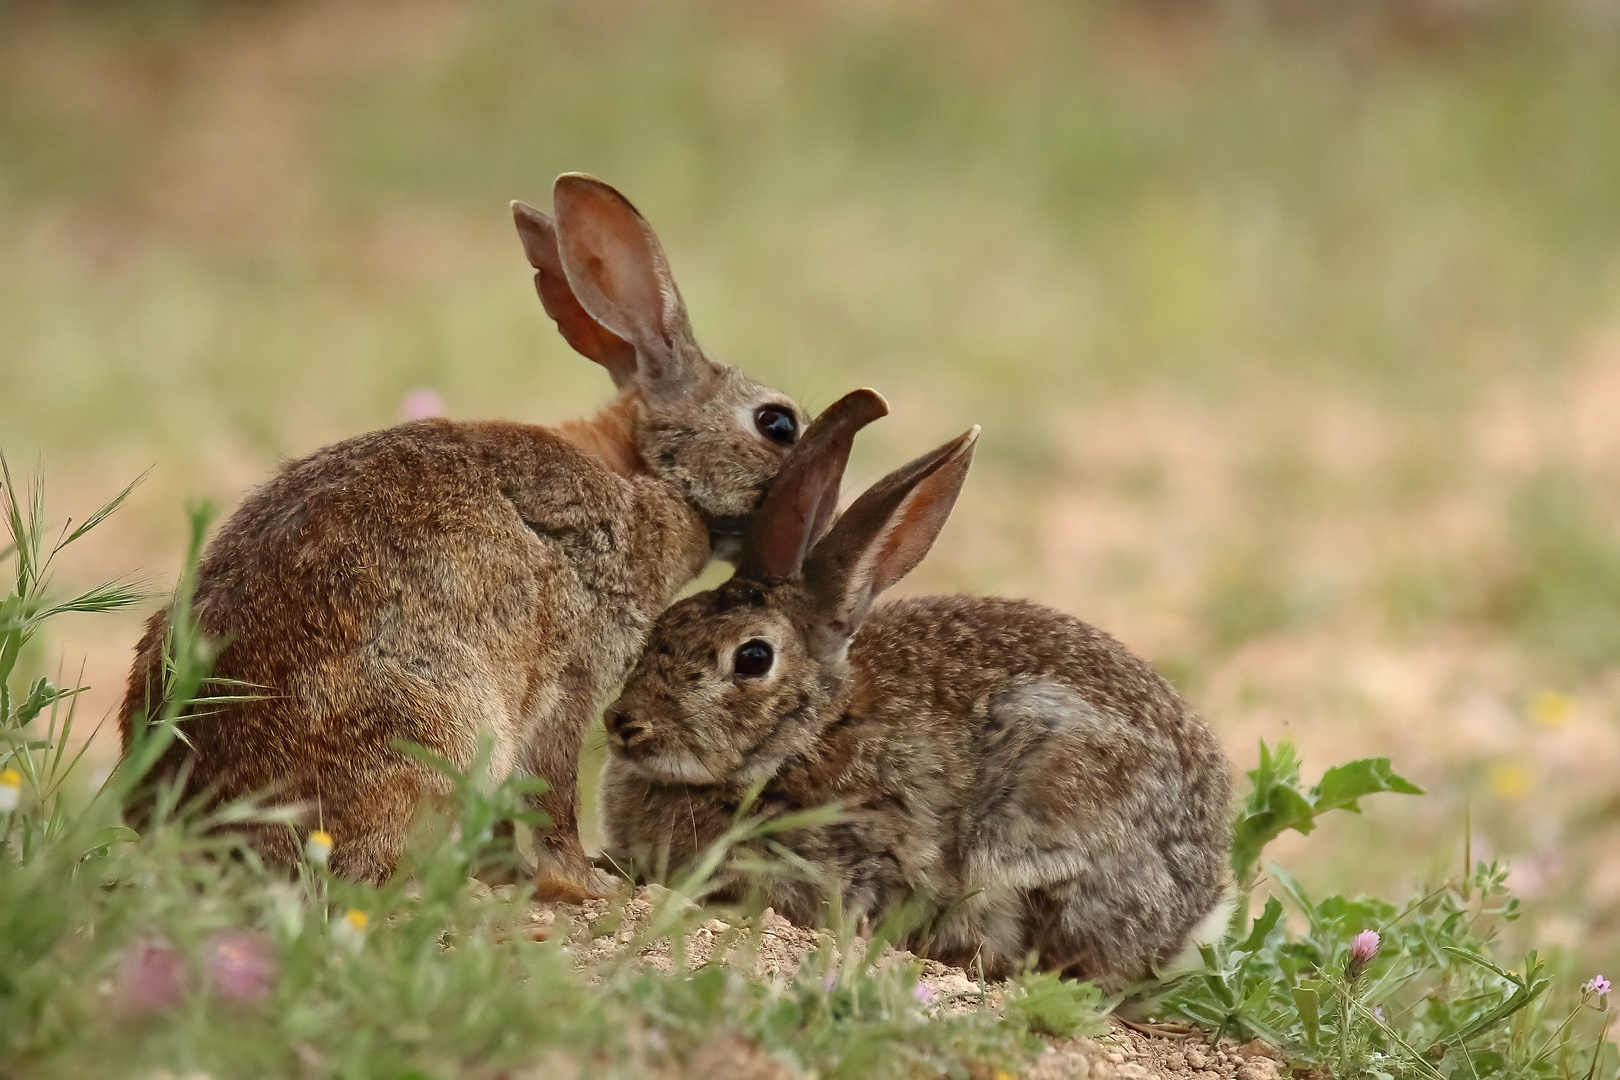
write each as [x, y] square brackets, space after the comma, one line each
[624, 729]
[634, 741]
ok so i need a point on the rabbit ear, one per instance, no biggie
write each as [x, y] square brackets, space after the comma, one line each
[804, 495]
[884, 534]
[588, 337]
[617, 271]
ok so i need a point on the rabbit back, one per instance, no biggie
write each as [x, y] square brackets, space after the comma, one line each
[425, 582]
[1096, 831]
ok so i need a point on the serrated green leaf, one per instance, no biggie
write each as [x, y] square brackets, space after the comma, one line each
[1527, 988]
[1276, 802]
[1342, 785]
[1283, 808]
[1475, 958]
[1263, 926]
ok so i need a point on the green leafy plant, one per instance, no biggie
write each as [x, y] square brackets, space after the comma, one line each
[1048, 1005]
[1276, 801]
[34, 758]
[1369, 988]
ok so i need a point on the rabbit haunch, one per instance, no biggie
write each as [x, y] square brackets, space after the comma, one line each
[1039, 790]
[438, 579]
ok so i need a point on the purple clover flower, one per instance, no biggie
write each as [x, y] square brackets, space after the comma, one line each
[924, 994]
[1596, 985]
[240, 964]
[421, 403]
[151, 976]
[1363, 947]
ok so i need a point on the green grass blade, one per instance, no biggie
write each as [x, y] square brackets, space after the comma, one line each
[104, 511]
[110, 596]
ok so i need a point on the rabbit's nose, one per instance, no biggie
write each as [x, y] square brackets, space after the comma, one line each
[625, 727]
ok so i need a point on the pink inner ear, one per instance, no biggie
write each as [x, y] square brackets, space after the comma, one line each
[588, 337]
[905, 542]
[920, 517]
[886, 532]
[613, 264]
[780, 546]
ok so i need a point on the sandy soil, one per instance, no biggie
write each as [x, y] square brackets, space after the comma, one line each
[600, 930]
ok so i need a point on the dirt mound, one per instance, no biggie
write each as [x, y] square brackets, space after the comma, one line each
[599, 930]
[773, 948]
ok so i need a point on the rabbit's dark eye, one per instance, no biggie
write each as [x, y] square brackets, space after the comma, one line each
[777, 424]
[753, 658]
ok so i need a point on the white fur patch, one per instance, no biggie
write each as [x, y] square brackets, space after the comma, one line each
[1208, 931]
[756, 771]
[1055, 707]
[1029, 869]
[683, 767]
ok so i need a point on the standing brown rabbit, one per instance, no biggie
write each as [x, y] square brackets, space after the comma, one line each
[438, 579]
[990, 754]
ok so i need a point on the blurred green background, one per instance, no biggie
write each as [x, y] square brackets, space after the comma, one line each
[1294, 328]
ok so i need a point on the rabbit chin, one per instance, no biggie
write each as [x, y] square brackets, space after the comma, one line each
[685, 767]
[681, 766]
[726, 539]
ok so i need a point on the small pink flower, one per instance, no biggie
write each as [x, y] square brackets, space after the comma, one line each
[421, 403]
[151, 976]
[241, 965]
[829, 982]
[1363, 947]
[1597, 985]
[924, 994]
[1378, 1013]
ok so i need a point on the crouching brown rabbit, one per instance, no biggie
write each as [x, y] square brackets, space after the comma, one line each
[1040, 792]
[440, 579]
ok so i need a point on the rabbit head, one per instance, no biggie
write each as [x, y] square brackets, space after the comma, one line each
[702, 426]
[735, 681]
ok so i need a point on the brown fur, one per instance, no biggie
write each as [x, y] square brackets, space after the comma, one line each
[438, 579]
[987, 749]
[610, 436]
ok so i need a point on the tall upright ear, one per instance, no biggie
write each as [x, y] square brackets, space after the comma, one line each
[884, 534]
[795, 512]
[617, 270]
[588, 337]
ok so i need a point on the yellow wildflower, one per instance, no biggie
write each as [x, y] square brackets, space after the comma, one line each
[318, 848]
[350, 931]
[1510, 780]
[1550, 709]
